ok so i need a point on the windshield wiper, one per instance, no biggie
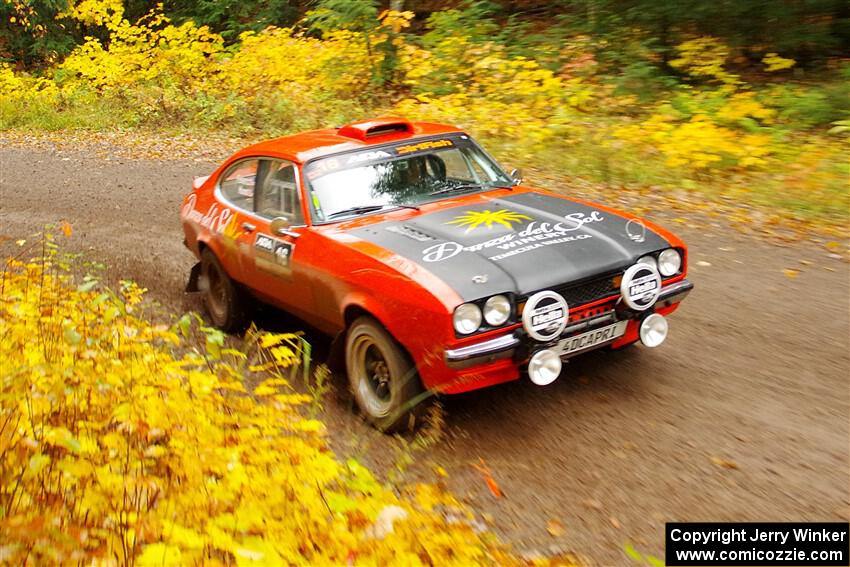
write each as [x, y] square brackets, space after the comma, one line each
[360, 209]
[466, 187]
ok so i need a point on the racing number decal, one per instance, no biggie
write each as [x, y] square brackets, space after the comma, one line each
[273, 255]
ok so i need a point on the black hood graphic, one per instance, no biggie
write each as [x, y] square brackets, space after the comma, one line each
[521, 243]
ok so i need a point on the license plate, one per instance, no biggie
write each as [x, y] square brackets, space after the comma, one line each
[592, 338]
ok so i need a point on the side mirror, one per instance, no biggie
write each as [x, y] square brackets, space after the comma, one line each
[516, 175]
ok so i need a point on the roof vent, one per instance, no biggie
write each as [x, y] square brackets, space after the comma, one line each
[379, 127]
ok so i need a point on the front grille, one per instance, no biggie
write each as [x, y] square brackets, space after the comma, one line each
[590, 291]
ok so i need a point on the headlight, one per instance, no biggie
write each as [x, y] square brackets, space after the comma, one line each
[497, 310]
[669, 262]
[467, 318]
[648, 260]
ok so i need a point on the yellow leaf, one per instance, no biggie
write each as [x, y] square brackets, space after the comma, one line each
[184, 537]
[36, 464]
[724, 463]
[159, 554]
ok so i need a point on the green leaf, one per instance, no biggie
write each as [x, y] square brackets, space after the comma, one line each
[87, 286]
[100, 299]
[213, 347]
[110, 314]
[72, 337]
[339, 503]
[184, 324]
[37, 463]
[72, 444]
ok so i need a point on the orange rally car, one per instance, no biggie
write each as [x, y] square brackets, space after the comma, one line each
[434, 270]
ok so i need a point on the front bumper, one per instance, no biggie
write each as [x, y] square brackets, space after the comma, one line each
[511, 345]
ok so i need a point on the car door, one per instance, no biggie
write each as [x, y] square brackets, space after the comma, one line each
[280, 237]
[230, 217]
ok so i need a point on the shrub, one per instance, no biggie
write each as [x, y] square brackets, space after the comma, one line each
[123, 442]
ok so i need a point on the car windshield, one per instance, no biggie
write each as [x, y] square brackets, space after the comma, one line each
[406, 174]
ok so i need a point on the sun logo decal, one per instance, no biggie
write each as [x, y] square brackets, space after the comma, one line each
[473, 219]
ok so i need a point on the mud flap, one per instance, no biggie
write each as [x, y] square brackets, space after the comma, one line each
[336, 356]
[194, 276]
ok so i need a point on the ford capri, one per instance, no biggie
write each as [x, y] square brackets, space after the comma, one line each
[433, 269]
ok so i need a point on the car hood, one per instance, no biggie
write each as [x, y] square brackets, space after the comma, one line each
[520, 244]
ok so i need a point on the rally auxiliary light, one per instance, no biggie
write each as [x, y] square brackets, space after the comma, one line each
[544, 367]
[653, 330]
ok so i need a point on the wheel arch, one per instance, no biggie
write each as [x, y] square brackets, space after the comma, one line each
[351, 312]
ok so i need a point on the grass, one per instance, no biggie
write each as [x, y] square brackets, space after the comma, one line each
[816, 199]
[808, 193]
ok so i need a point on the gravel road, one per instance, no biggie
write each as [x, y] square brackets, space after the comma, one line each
[744, 415]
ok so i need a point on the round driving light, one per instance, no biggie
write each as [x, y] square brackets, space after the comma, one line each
[653, 330]
[544, 316]
[669, 262]
[648, 260]
[467, 318]
[640, 287]
[544, 367]
[497, 310]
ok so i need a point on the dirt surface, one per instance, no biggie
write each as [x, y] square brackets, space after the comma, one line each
[744, 414]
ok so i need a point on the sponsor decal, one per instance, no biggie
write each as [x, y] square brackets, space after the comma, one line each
[535, 235]
[366, 156]
[544, 316]
[422, 146]
[640, 286]
[217, 219]
[473, 219]
[273, 255]
[331, 164]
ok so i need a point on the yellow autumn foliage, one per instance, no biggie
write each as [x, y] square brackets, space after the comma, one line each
[560, 117]
[698, 143]
[479, 85]
[121, 442]
[151, 52]
[705, 57]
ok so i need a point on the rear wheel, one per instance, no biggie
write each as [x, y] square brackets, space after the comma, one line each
[222, 298]
[383, 380]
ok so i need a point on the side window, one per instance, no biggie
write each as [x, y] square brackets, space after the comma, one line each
[277, 194]
[237, 183]
[457, 167]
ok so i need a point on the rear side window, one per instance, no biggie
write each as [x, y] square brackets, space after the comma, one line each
[238, 183]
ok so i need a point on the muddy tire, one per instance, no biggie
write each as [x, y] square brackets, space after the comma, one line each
[222, 297]
[384, 381]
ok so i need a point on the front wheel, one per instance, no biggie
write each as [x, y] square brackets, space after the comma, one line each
[222, 298]
[383, 380]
